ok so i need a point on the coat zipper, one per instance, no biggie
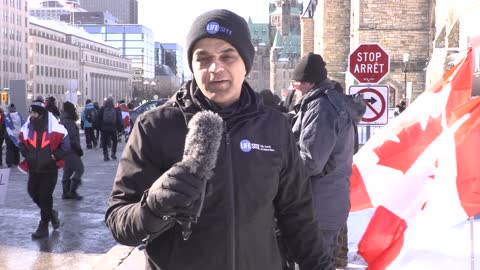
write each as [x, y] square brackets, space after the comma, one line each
[232, 199]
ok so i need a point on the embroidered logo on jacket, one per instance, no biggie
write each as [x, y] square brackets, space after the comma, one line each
[247, 146]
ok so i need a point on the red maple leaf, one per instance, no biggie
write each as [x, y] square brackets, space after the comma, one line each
[413, 142]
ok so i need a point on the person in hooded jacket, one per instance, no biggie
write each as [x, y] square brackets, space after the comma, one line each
[73, 168]
[258, 174]
[88, 124]
[109, 127]
[352, 101]
[323, 129]
[13, 123]
[43, 157]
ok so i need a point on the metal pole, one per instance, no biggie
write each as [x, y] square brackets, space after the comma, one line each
[405, 82]
[472, 245]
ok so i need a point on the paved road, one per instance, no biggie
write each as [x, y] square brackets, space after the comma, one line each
[83, 237]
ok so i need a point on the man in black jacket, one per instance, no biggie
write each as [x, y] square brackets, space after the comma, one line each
[257, 177]
[44, 143]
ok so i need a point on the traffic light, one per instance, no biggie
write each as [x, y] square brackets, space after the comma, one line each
[4, 97]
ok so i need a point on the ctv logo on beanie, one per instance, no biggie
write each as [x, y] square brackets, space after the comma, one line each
[213, 28]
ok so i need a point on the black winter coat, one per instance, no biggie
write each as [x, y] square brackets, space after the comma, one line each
[258, 176]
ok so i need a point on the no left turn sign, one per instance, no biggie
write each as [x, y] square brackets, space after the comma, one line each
[376, 99]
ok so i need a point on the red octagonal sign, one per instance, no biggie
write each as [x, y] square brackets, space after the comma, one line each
[369, 63]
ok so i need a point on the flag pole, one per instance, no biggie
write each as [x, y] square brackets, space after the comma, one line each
[472, 255]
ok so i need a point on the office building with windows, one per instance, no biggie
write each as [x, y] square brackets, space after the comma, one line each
[173, 57]
[13, 42]
[52, 10]
[125, 10]
[72, 65]
[135, 42]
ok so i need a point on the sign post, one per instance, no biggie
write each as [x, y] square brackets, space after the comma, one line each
[369, 63]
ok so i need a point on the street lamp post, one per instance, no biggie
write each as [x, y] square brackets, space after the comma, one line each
[405, 65]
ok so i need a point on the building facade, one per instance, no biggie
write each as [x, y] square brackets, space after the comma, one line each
[52, 10]
[125, 10]
[13, 43]
[71, 65]
[135, 43]
[403, 29]
[173, 57]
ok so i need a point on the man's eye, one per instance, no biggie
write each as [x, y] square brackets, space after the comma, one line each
[229, 57]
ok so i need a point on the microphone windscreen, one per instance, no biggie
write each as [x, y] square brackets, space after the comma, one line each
[203, 140]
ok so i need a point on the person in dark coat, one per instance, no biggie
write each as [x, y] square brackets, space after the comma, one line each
[257, 175]
[323, 128]
[42, 160]
[353, 102]
[110, 122]
[52, 107]
[2, 134]
[73, 168]
[95, 125]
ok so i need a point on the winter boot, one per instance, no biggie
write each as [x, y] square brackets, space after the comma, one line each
[113, 156]
[105, 157]
[73, 189]
[66, 190]
[55, 220]
[42, 230]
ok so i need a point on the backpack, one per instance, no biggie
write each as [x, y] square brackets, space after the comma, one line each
[110, 116]
[91, 115]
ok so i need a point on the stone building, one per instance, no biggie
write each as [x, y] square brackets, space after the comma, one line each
[277, 46]
[69, 64]
[422, 37]
[402, 28]
[13, 43]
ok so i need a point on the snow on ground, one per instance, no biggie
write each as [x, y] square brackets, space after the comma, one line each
[431, 247]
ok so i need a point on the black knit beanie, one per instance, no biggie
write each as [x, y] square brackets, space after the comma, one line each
[310, 69]
[38, 106]
[69, 108]
[226, 25]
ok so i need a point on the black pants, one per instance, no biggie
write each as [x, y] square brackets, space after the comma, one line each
[106, 136]
[90, 137]
[341, 250]
[2, 139]
[40, 188]
[73, 169]
[12, 155]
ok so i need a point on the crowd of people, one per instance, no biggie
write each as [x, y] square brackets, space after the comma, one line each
[49, 140]
[274, 194]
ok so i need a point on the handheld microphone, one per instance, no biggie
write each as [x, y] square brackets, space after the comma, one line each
[200, 157]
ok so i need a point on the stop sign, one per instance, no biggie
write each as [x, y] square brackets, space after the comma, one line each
[369, 63]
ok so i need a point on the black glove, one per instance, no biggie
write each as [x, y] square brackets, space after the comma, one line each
[79, 152]
[175, 192]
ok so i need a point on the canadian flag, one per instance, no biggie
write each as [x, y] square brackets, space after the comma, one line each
[125, 117]
[402, 170]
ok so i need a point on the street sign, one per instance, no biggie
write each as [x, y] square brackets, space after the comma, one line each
[376, 99]
[369, 63]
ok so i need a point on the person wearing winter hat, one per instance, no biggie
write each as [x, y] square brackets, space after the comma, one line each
[73, 169]
[323, 130]
[51, 107]
[42, 160]
[256, 176]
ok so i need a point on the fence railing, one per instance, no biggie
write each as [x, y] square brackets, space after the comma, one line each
[366, 131]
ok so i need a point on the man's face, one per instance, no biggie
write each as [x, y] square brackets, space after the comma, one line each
[219, 70]
[34, 115]
[302, 87]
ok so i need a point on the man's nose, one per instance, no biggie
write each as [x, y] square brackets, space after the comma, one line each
[216, 66]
